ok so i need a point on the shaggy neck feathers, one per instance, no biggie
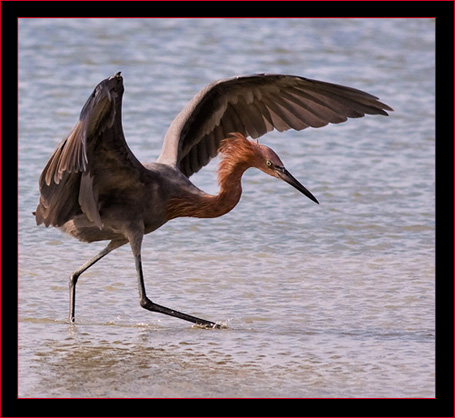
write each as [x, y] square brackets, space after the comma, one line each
[239, 155]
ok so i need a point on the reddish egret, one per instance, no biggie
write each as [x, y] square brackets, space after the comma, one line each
[95, 189]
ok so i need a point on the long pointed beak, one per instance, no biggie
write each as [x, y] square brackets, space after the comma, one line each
[286, 176]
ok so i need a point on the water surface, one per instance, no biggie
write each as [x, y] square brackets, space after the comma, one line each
[329, 300]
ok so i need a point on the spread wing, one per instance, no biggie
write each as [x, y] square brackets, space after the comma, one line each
[94, 153]
[254, 105]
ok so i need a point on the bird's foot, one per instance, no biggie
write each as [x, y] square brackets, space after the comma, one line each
[153, 307]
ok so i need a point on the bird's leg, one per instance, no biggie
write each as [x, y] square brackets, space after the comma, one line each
[73, 278]
[146, 303]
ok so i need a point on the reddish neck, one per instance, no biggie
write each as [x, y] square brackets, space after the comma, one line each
[238, 157]
[206, 205]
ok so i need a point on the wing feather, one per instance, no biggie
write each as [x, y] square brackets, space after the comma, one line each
[254, 105]
[82, 164]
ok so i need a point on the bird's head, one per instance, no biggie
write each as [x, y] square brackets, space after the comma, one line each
[103, 104]
[263, 158]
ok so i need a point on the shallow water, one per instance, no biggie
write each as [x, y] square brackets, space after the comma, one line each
[329, 300]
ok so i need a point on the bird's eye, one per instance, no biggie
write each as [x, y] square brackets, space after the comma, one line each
[269, 163]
